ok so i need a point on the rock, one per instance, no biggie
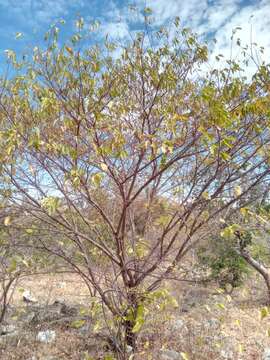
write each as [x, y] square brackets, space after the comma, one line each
[62, 308]
[29, 317]
[8, 335]
[129, 349]
[170, 355]
[61, 285]
[46, 336]
[85, 329]
[28, 298]
[213, 324]
[228, 355]
[9, 338]
[266, 354]
[177, 325]
[7, 329]
[50, 313]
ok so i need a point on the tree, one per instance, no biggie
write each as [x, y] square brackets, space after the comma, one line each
[126, 159]
[219, 258]
[249, 231]
[14, 255]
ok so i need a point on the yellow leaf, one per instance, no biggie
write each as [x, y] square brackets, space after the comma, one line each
[104, 167]
[237, 190]
[221, 306]
[184, 356]
[96, 327]
[240, 348]
[69, 50]
[206, 195]
[29, 231]
[244, 211]
[130, 251]
[7, 221]
[163, 149]
[146, 345]
[96, 179]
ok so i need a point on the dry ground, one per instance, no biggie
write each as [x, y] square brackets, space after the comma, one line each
[207, 324]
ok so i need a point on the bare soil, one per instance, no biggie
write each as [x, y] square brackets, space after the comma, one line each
[207, 324]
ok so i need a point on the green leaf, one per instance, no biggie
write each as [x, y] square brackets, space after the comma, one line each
[225, 156]
[50, 204]
[96, 67]
[148, 11]
[139, 321]
[77, 324]
[87, 356]
[12, 266]
[18, 35]
[221, 306]
[80, 23]
[141, 249]
[137, 327]
[29, 231]
[264, 312]
[109, 357]
[206, 195]
[96, 179]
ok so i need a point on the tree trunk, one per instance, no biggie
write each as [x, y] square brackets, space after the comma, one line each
[4, 298]
[258, 267]
[130, 336]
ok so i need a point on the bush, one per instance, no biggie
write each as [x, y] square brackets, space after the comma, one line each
[226, 266]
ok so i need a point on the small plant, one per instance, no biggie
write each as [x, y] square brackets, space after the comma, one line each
[226, 265]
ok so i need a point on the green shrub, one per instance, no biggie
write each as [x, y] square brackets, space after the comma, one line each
[221, 258]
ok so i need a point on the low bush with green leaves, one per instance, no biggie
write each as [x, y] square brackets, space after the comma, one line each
[221, 258]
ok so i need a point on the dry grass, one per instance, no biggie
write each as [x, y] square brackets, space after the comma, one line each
[65, 287]
[214, 324]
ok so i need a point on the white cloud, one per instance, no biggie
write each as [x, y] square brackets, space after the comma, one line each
[214, 18]
[255, 27]
[115, 30]
[216, 15]
[36, 12]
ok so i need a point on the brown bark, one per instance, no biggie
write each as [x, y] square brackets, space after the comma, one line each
[258, 267]
[130, 336]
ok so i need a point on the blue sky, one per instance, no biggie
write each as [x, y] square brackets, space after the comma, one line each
[215, 17]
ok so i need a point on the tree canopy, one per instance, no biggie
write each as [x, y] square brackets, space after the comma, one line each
[96, 139]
